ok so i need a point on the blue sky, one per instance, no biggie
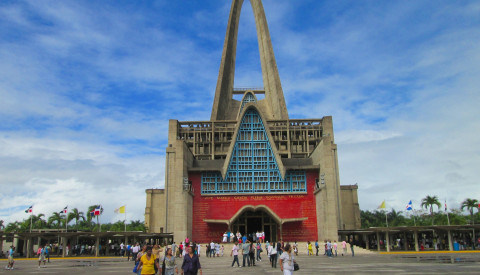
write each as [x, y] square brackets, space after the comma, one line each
[87, 88]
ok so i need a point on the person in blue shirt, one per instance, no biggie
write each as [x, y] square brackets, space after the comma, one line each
[316, 246]
[244, 239]
[47, 252]
[10, 258]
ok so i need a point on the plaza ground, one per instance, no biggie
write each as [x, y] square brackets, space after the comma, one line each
[419, 263]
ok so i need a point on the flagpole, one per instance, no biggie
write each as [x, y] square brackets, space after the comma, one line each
[386, 216]
[448, 218]
[125, 221]
[31, 216]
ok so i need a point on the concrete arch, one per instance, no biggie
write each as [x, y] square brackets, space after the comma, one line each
[254, 208]
[276, 106]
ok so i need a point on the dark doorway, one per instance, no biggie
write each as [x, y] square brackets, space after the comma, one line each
[254, 225]
[249, 222]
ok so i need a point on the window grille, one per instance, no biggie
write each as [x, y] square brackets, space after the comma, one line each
[253, 167]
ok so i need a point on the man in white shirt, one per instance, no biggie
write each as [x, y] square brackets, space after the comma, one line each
[212, 249]
[234, 253]
[135, 250]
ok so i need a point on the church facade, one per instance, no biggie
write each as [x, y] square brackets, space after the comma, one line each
[251, 167]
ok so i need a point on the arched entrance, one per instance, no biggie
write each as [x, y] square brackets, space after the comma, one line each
[250, 221]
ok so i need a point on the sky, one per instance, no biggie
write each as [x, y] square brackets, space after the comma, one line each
[87, 89]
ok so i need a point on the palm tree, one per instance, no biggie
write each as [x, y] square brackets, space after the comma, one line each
[428, 202]
[56, 219]
[1, 225]
[470, 204]
[75, 215]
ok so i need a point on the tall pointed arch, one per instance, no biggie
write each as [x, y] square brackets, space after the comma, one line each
[277, 108]
[253, 164]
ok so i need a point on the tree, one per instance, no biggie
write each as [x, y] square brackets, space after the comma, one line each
[1, 225]
[90, 209]
[428, 202]
[75, 215]
[56, 219]
[470, 204]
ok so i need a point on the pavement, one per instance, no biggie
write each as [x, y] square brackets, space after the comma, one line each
[414, 263]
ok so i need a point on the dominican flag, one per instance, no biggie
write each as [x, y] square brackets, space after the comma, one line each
[97, 211]
[64, 211]
[445, 206]
[409, 205]
[29, 210]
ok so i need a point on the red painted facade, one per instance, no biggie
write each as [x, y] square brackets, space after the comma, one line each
[223, 207]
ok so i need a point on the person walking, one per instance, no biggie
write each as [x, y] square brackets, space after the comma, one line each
[287, 260]
[316, 246]
[191, 263]
[234, 253]
[344, 248]
[245, 252]
[147, 262]
[351, 247]
[259, 250]
[41, 256]
[272, 251]
[11, 261]
[335, 247]
[168, 263]
[251, 254]
[310, 249]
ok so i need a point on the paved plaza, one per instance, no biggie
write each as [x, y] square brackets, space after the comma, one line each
[464, 263]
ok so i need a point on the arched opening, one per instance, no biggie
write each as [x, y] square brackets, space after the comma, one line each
[251, 221]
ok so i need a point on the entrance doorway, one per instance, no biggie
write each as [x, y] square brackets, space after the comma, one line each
[249, 222]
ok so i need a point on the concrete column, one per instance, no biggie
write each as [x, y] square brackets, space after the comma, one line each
[378, 241]
[387, 239]
[450, 241]
[97, 244]
[26, 247]
[415, 238]
[367, 242]
[64, 250]
[405, 242]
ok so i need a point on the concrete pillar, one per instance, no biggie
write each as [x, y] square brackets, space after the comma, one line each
[367, 242]
[415, 239]
[450, 241]
[378, 241]
[387, 239]
[26, 247]
[405, 241]
[97, 245]
[64, 250]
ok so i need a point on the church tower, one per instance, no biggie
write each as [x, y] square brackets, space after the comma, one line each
[251, 167]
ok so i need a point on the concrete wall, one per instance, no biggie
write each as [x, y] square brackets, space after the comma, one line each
[350, 207]
[155, 210]
[327, 197]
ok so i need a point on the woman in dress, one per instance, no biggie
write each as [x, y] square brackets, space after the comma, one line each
[147, 262]
[168, 262]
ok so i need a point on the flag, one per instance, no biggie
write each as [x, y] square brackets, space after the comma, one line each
[445, 206]
[92, 213]
[382, 206]
[29, 210]
[120, 210]
[98, 210]
[64, 211]
[409, 205]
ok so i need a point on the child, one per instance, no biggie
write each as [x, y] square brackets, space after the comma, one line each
[221, 250]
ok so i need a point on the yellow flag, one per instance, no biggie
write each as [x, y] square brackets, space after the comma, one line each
[382, 206]
[120, 210]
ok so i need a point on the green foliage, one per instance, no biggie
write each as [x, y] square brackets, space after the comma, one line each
[470, 204]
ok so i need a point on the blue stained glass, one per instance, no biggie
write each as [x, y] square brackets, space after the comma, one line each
[253, 167]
